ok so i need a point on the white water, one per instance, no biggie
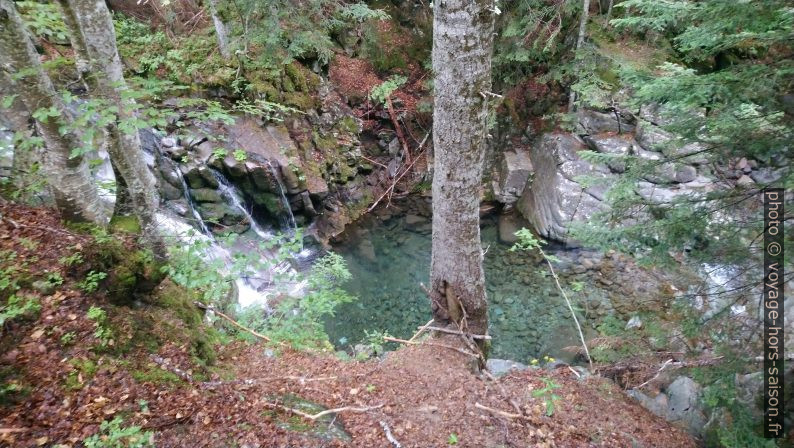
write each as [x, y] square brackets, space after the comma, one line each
[256, 290]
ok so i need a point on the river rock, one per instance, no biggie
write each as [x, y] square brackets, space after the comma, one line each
[610, 144]
[501, 367]
[591, 122]
[766, 175]
[685, 173]
[509, 224]
[684, 406]
[205, 195]
[413, 220]
[745, 181]
[168, 142]
[553, 199]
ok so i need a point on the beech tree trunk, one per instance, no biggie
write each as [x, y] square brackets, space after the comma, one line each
[220, 29]
[462, 47]
[579, 43]
[72, 185]
[124, 148]
[16, 118]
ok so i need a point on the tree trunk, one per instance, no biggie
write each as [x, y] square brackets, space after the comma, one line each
[73, 187]
[25, 164]
[124, 148]
[462, 46]
[609, 11]
[220, 29]
[77, 42]
[579, 43]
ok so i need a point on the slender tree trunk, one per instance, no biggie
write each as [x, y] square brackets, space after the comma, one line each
[609, 10]
[16, 118]
[73, 187]
[77, 42]
[579, 43]
[220, 29]
[124, 148]
[462, 47]
[123, 206]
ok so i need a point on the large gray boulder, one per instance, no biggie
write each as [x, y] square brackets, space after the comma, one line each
[554, 198]
[512, 177]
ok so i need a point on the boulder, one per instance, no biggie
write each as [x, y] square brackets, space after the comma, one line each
[685, 173]
[766, 175]
[554, 199]
[610, 144]
[509, 224]
[513, 174]
[683, 406]
[193, 177]
[501, 367]
[205, 195]
[590, 122]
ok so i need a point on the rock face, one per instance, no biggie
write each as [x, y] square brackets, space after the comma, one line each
[554, 198]
[512, 176]
[678, 404]
[501, 367]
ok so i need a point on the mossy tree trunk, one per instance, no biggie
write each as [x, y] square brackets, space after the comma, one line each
[73, 188]
[462, 47]
[124, 148]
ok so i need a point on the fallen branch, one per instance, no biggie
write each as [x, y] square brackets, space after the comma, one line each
[231, 321]
[658, 372]
[325, 412]
[12, 430]
[421, 330]
[570, 307]
[398, 129]
[389, 436]
[500, 412]
[449, 331]
[403, 341]
[397, 179]
[506, 396]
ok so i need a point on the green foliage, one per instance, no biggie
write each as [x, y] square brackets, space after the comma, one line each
[102, 331]
[91, 281]
[547, 394]
[240, 155]
[44, 20]
[284, 30]
[531, 33]
[113, 435]
[10, 271]
[18, 306]
[452, 439]
[299, 321]
[68, 338]
[192, 266]
[381, 93]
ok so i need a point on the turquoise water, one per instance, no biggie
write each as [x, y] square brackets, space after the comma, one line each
[389, 258]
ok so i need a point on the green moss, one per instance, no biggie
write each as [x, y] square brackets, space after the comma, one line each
[126, 224]
[298, 100]
[155, 375]
[348, 125]
[180, 302]
[85, 369]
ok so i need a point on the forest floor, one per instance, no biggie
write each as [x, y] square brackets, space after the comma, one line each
[57, 389]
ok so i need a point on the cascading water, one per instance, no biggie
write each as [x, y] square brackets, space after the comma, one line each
[287, 219]
[230, 193]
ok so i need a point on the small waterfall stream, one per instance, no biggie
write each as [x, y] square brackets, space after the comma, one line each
[230, 193]
[288, 219]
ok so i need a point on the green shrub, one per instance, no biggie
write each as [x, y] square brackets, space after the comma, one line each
[113, 435]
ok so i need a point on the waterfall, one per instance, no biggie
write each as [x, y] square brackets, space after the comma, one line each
[230, 193]
[288, 221]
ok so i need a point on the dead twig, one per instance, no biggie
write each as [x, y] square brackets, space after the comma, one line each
[460, 350]
[505, 395]
[389, 436]
[501, 413]
[658, 372]
[397, 179]
[325, 412]
[449, 331]
[421, 330]
[231, 321]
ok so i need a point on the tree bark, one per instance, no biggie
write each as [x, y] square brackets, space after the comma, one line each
[462, 47]
[77, 42]
[124, 148]
[72, 185]
[24, 167]
[579, 43]
[220, 29]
